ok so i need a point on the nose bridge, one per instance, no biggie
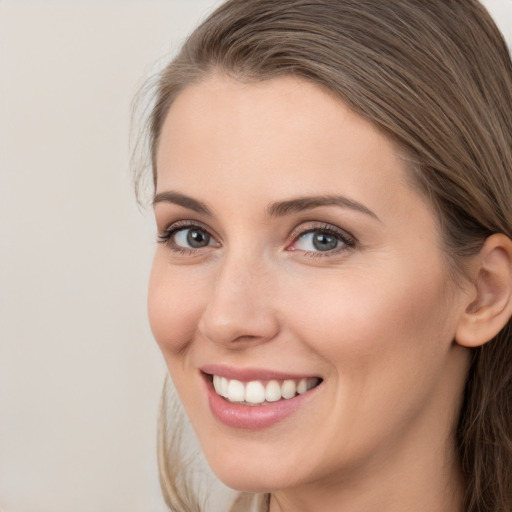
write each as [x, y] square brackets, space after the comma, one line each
[240, 307]
[241, 273]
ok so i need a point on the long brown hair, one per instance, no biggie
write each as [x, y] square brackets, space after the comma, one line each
[436, 77]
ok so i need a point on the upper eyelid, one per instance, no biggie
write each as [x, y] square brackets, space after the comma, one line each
[321, 226]
[187, 224]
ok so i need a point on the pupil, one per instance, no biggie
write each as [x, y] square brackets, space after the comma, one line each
[323, 242]
[196, 238]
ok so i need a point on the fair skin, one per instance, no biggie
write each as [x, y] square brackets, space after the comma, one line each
[354, 293]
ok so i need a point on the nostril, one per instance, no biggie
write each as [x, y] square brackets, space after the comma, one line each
[238, 327]
[238, 312]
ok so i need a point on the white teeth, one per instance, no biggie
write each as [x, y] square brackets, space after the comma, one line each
[216, 384]
[236, 391]
[288, 389]
[255, 392]
[302, 386]
[224, 387]
[273, 391]
[221, 385]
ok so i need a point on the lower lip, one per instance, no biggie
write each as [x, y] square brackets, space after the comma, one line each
[253, 417]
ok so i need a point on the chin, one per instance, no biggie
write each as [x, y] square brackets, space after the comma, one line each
[252, 482]
[259, 475]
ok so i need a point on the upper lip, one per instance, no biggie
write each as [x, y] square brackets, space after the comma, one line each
[250, 374]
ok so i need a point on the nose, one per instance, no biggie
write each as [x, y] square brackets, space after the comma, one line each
[240, 310]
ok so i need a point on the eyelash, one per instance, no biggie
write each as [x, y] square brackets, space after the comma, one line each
[167, 237]
[347, 240]
[342, 236]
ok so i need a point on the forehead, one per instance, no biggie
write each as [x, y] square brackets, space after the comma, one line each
[276, 138]
[282, 115]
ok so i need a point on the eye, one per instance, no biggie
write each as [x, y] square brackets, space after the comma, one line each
[321, 240]
[187, 238]
[193, 238]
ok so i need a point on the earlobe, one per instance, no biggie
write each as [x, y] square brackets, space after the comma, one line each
[490, 306]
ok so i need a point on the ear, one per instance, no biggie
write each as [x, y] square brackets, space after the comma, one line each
[490, 303]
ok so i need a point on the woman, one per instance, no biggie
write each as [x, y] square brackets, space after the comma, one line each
[332, 290]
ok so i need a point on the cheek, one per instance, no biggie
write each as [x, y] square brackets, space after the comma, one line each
[173, 309]
[356, 320]
[387, 342]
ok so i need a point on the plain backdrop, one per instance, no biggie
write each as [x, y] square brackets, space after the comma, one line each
[80, 376]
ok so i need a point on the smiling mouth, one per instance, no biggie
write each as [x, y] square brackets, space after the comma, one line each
[257, 392]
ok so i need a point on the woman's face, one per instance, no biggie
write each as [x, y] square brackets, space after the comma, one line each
[299, 269]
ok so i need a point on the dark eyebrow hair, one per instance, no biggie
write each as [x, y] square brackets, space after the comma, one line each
[278, 209]
[282, 208]
[181, 200]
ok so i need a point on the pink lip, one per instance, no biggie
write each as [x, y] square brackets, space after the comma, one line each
[256, 416]
[248, 374]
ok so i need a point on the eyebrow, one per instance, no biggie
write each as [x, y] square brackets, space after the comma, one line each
[277, 209]
[298, 204]
[182, 200]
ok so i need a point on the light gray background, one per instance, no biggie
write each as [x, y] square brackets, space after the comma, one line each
[80, 375]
